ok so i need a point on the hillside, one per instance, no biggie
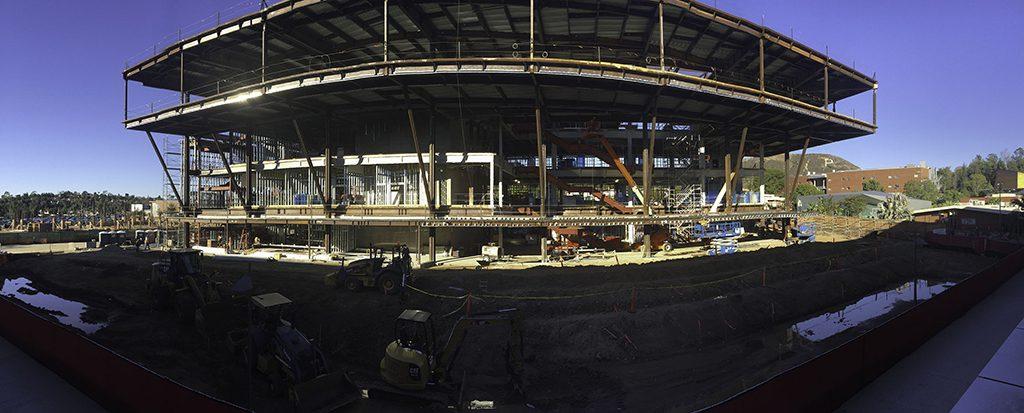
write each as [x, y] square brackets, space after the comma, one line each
[816, 163]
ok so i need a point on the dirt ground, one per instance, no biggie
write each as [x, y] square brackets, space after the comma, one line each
[701, 330]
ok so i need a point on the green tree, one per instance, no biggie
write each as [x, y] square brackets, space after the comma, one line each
[947, 179]
[950, 197]
[925, 190]
[774, 181]
[825, 206]
[852, 206]
[872, 185]
[805, 189]
[977, 184]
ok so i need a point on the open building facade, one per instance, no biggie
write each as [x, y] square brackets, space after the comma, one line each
[344, 124]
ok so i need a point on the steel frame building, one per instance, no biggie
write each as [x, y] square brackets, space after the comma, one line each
[337, 115]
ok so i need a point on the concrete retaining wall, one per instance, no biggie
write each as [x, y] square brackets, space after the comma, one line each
[825, 382]
[7, 238]
[116, 383]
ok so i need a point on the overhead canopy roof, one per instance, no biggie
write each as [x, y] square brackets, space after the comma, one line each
[482, 88]
[315, 34]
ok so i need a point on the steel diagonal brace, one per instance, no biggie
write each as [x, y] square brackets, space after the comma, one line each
[234, 185]
[309, 164]
[166, 172]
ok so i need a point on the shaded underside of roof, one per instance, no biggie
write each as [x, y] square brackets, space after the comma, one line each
[482, 92]
[312, 34]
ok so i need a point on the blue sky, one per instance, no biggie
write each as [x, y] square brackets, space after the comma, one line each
[949, 76]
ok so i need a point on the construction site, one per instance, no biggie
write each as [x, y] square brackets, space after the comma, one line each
[510, 205]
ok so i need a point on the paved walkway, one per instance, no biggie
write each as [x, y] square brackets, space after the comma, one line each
[27, 386]
[976, 364]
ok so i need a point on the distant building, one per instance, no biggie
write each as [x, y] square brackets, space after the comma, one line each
[1009, 180]
[974, 220]
[891, 179]
[873, 200]
[137, 208]
[162, 206]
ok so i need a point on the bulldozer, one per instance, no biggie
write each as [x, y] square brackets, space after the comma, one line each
[290, 361]
[377, 271]
[416, 362]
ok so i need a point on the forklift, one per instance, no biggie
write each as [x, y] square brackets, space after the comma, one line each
[290, 361]
[377, 271]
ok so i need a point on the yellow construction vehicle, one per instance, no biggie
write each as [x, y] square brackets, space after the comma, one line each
[377, 271]
[413, 361]
[290, 361]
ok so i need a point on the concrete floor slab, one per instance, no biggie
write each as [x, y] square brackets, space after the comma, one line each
[27, 386]
[1007, 365]
[986, 395]
[933, 377]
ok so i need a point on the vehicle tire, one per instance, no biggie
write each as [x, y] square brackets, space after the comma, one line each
[667, 246]
[353, 284]
[390, 283]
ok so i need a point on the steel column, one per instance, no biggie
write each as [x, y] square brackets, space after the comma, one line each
[541, 160]
[727, 185]
[532, 18]
[386, 33]
[874, 104]
[760, 76]
[661, 32]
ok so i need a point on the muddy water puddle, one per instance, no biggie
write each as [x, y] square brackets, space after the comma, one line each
[67, 312]
[829, 324]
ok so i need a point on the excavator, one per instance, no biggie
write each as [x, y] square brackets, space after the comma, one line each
[290, 361]
[374, 272]
[417, 364]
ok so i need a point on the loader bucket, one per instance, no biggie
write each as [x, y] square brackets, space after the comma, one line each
[325, 393]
